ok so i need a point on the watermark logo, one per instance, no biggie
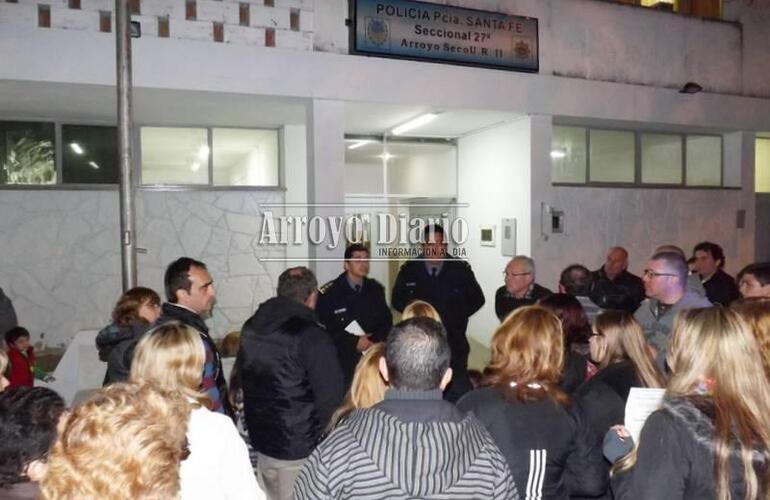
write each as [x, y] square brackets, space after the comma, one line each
[387, 230]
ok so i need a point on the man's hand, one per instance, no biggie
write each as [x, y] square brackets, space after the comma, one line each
[363, 343]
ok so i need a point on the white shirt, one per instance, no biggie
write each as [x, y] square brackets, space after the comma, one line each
[218, 466]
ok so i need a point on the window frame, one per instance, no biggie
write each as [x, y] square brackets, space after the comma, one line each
[637, 183]
[136, 167]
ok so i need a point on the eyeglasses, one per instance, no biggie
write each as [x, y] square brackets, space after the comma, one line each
[512, 275]
[649, 273]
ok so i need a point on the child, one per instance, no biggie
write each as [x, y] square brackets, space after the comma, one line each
[21, 356]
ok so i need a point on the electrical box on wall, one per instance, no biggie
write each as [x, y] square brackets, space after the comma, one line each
[487, 236]
[508, 237]
[551, 221]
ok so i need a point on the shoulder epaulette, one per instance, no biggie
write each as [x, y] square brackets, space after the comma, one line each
[327, 286]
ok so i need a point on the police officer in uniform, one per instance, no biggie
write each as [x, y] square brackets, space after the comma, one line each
[449, 285]
[354, 297]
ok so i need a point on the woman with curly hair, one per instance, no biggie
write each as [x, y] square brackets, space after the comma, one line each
[125, 443]
[134, 313]
[546, 445]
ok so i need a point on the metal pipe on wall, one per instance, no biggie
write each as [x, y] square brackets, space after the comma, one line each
[125, 121]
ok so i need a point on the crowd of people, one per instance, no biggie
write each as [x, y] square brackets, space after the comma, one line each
[329, 399]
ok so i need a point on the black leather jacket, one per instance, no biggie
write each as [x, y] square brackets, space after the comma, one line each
[291, 377]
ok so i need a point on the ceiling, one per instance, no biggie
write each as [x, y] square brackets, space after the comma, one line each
[97, 104]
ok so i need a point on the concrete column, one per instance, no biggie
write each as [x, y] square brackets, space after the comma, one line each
[739, 150]
[325, 180]
[540, 137]
[295, 173]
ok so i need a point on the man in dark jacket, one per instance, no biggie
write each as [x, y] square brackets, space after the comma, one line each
[413, 444]
[354, 297]
[614, 286]
[720, 286]
[291, 378]
[520, 288]
[449, 285]
[190, 293]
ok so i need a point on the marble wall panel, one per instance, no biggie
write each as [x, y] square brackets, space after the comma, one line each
[60, 253]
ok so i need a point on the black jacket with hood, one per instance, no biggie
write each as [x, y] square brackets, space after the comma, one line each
[291, 376]
[675, 457]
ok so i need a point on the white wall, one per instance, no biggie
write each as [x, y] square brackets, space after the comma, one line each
[60, 253]
[598, 40]
[424, 174]
[494, 179]
[640, 219]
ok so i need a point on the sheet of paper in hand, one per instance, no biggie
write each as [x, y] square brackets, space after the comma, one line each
[641, 402]
[354, 328]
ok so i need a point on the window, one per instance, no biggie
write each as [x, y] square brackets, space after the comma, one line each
[661, 159]
[568, 154]
[27, 153]
[174, 155]
[89, 155]
[245, 157]
[762, 151]
[209, 157]
[612, 156]
[628, 157]
[704, 160]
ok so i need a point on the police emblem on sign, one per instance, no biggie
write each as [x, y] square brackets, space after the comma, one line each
[377, 31]
[522, 50]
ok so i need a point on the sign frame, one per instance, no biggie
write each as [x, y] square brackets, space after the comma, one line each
[354, 48]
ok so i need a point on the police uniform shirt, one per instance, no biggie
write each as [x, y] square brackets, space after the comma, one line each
[339, 303]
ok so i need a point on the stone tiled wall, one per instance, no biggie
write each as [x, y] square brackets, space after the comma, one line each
[60, 256]
[259, 16]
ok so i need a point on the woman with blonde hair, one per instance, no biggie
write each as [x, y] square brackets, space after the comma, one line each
[420, 308]
[546, 445]
[172, 357]
[756, 312]
[711, 437]
[125, 443]
[367, 388]
[620, 351]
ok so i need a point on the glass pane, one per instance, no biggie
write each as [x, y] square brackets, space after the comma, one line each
[90, 155]
[421, 169]
[661, 159]
[568, 154]
[174, 155]
[27, 153]
[704, 160]
[612, 156]
[363, 166]
[763, 166]
[245, 157]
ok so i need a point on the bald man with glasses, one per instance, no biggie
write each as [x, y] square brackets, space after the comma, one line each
[520, 288]
[665, 284]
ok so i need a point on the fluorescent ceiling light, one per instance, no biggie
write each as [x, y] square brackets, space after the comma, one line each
[94, 164]
[203, 152]
[195, 166]
[414, 123]
[76, 148]
[358, 144]
[558, 153]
